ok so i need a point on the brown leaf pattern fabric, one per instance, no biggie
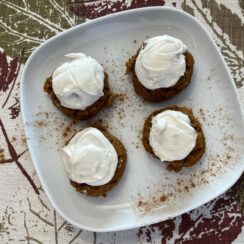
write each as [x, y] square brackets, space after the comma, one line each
[26, 216]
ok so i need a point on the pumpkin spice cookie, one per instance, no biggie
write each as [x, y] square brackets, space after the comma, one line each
[161, 68]
[175, 136]
[79, 87]
[95, 161]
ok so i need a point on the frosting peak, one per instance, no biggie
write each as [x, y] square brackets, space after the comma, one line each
[171, 136]
[79, 82]
[161, 62]
[90, 158]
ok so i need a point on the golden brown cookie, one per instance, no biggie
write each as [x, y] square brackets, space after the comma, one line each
[76, 114]
[196, 152]
[96, 191]
[160, 94]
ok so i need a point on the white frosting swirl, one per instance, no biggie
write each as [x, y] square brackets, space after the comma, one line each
[161, 63]
[171, 136]
[90, 158]
[79, 82]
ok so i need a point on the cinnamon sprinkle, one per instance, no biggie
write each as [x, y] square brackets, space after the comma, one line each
[2, 156]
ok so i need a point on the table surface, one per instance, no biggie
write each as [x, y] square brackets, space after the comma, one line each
[26, 216]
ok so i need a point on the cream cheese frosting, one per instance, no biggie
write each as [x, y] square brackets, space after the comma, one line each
[171, 136]
[161, 62]
[79, 82]
[90, 158]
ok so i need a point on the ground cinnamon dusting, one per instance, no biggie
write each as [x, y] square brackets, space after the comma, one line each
[20, 139]
[163, 198]
[40, 123]
[68, 130]
[186, 188]
[139, 203]
[114, 96]
[13, 139]
[154, 200]
[182, 186]
[2, 156]
[23, 140]
[47, 115]
[202, 114]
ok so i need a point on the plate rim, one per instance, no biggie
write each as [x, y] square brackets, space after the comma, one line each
[92, 22]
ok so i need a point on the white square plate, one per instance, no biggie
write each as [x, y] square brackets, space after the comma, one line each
[136, 200]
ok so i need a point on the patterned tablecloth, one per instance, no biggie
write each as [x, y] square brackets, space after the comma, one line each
[26, 215]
